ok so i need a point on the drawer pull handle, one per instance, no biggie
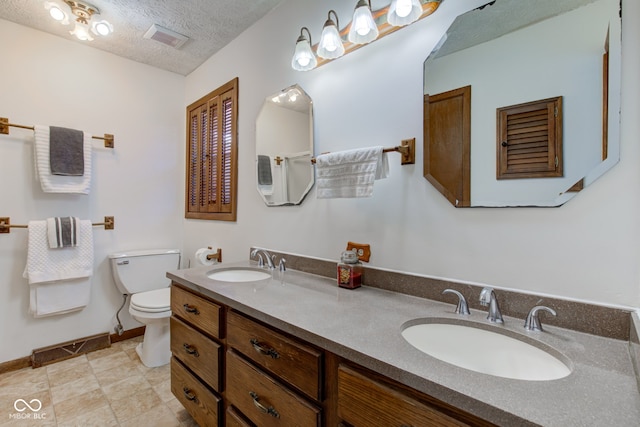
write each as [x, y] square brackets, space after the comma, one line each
[264, 350]
[191, 309]
[189, 395]
[190, 349]
[270, 410]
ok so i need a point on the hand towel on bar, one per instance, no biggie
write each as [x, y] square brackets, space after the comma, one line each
[66, 152]
[62, 232]
[59, 279]
[60, 183]
[350, 173]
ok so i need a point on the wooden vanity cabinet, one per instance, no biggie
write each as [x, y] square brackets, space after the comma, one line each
[229, 369]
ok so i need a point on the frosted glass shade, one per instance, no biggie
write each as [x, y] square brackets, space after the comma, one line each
[303, 57]
[330, 46]
[363, 27]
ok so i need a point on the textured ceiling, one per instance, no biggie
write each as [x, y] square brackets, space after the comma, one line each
[498, 18]
[209, 24]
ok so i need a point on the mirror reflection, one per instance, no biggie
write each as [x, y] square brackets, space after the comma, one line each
[509, 53]
[284, 147]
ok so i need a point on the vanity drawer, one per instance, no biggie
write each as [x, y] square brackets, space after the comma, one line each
[265, 401]
[366, 402]
[201, 354]
[200, 312]
[293, 361]
[203, 405]
[236, 419]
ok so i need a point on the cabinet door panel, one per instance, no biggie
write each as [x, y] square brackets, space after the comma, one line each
[363, 402]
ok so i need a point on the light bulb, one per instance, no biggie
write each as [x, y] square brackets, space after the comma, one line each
[102, 28]
[57, 14]
[403, 8]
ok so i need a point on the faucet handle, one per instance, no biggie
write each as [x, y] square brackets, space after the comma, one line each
[532, 323]
[282, 265]
[462, 307]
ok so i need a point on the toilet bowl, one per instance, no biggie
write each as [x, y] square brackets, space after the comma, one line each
[142, 275]
[152, 308]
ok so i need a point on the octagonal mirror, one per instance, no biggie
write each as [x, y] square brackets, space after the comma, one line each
[284, 147]
[509, 53]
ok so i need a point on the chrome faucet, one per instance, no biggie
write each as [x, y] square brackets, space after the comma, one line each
[488, 298]
[462, 307]
[267, 256]
[532, 323]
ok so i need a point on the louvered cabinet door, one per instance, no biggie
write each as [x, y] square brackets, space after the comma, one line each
[529, 140]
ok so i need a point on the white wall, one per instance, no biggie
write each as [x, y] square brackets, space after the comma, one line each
[587, 249]
[52, 81]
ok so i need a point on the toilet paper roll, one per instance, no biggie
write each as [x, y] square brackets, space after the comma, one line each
[201, 256]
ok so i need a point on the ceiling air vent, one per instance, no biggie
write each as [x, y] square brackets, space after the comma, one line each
[166, 36]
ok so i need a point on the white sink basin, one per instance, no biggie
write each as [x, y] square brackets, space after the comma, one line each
[239, 275]
[484, 351]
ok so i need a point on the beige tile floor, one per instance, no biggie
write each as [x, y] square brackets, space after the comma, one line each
[109, 387]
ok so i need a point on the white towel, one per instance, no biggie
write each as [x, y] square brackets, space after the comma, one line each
[59, 279]
[54, 298]
[60, 183]
[350, 173]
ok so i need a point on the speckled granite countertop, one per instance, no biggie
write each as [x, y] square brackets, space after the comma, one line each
[364, 325]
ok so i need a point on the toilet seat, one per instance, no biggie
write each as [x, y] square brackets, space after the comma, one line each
[155, 301]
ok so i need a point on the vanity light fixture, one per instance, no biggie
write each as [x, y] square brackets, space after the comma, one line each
[366, 26]
[363, 27]
[303, 57]
[84, 16]
[403, 12]
[330, 46]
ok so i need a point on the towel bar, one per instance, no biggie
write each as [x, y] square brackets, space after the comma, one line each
[4, 129]
[407, 149]
[6, 226]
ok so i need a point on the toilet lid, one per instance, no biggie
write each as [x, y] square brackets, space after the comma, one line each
[152, 301]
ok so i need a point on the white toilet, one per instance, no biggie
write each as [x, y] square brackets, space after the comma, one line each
[142, 274]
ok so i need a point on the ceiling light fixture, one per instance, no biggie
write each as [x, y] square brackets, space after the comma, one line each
[303, 57]
[84, 14]
[404, 12]
[363, 27]
[330, 46]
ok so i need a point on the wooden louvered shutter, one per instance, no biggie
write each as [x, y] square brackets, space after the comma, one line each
[529, 140]
[211, 157]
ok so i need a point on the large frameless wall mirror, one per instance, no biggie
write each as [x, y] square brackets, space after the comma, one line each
[284, 147]
[511, 52]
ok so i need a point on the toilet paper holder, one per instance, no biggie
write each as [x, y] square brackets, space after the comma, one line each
[217, 256]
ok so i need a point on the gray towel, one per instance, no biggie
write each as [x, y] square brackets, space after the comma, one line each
[62, 232]
[264, 170]
[66, 151]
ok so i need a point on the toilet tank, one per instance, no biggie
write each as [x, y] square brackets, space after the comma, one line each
[143, 270]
